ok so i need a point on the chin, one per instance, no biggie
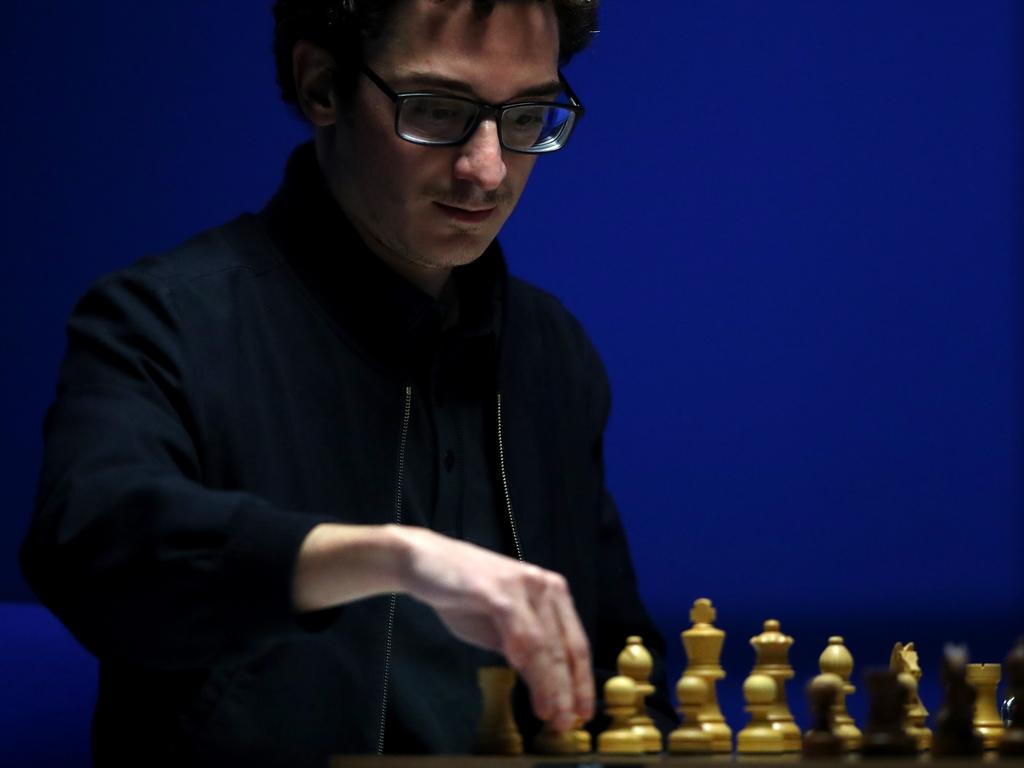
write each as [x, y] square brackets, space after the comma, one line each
[460, 247]
[472, 251]
[455, 258]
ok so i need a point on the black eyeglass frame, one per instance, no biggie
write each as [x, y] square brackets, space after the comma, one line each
[484, 111]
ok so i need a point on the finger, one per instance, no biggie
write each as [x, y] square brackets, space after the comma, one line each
[578, 652]
[555, 657]
[523, 648]
[527, 650]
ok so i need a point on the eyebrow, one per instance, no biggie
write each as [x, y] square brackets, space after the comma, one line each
[429, 80]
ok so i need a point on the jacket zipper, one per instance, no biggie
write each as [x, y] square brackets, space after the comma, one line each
[504, 486]
[394, 597]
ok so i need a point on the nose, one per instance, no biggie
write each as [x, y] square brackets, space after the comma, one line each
[480, 160]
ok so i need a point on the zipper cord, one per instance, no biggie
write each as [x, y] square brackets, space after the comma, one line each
[504, 486]
[393, 604]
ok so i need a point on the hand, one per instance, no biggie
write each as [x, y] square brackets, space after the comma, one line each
[498, 603]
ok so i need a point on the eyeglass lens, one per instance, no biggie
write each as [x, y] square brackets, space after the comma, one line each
[527, 128]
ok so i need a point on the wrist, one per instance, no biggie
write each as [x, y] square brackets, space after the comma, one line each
[400, 543]
[340, 563]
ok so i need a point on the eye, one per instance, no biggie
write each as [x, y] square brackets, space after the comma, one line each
[430, 111]
[442, 113]
[527, 120]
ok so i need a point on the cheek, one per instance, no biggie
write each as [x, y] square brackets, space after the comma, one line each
[380, 160]
[388, 174]
[518, 168]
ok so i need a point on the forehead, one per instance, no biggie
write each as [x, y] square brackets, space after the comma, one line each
[513, 46]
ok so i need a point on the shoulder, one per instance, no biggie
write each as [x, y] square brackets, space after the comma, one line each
[206, 265]
[533, 304]
[241, 244]
[538, 323]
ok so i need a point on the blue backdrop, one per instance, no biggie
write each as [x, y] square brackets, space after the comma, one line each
[792, 228]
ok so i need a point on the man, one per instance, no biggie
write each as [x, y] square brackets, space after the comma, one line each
[309, 471]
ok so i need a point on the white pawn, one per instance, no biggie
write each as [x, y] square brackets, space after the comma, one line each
[620, 705]
[690, 738]
[575, 741]
[759, 737]
[636, 663]
[837, 660]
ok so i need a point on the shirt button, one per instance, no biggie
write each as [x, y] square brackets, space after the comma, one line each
[449, 460]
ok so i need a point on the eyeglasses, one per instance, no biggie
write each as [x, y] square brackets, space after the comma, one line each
[439, 120]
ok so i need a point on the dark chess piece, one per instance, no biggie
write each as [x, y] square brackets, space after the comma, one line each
[954, 725]
[822, 694]
[1012, 744]
[885, 734]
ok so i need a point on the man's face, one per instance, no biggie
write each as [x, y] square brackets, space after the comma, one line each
[425, 208]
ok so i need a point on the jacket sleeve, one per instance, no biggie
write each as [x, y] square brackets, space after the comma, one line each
[621, 611]
[127, 547]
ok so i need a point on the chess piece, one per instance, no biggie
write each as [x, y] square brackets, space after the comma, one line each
[954, 725]
[772, 650]
[497, 733]
[913, 723]
[690, 738]
[635, 662]
[822, 740]
[1006, 710]
[985, 679]
[584, 743]
[703, 643]
[620, 704]
[836, 659]
[1012, 744]
[885, 734]
[760, 736]
[903, 661]
[575, 741]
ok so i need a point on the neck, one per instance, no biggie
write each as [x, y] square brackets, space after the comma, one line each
[429, 279]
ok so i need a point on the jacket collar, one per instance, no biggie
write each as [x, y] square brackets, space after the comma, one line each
[382, 314]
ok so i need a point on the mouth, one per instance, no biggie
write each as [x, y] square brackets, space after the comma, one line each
[466, 215]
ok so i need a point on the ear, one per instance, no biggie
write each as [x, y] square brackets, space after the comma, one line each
[312, 69]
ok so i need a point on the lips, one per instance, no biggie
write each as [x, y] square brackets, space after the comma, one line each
[466, 215]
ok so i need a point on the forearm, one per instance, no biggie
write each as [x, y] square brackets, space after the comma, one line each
[160, 571]
[487, 599]
[340, 564]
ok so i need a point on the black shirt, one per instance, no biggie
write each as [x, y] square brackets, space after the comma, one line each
[218, 401]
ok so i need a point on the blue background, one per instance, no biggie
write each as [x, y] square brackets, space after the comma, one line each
[793, 229]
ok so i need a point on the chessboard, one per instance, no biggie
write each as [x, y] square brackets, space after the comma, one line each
[970, 728]
[662, 761]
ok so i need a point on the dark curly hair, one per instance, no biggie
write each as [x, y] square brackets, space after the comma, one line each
[342, 27]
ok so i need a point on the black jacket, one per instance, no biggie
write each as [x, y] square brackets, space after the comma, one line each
[218, 401]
